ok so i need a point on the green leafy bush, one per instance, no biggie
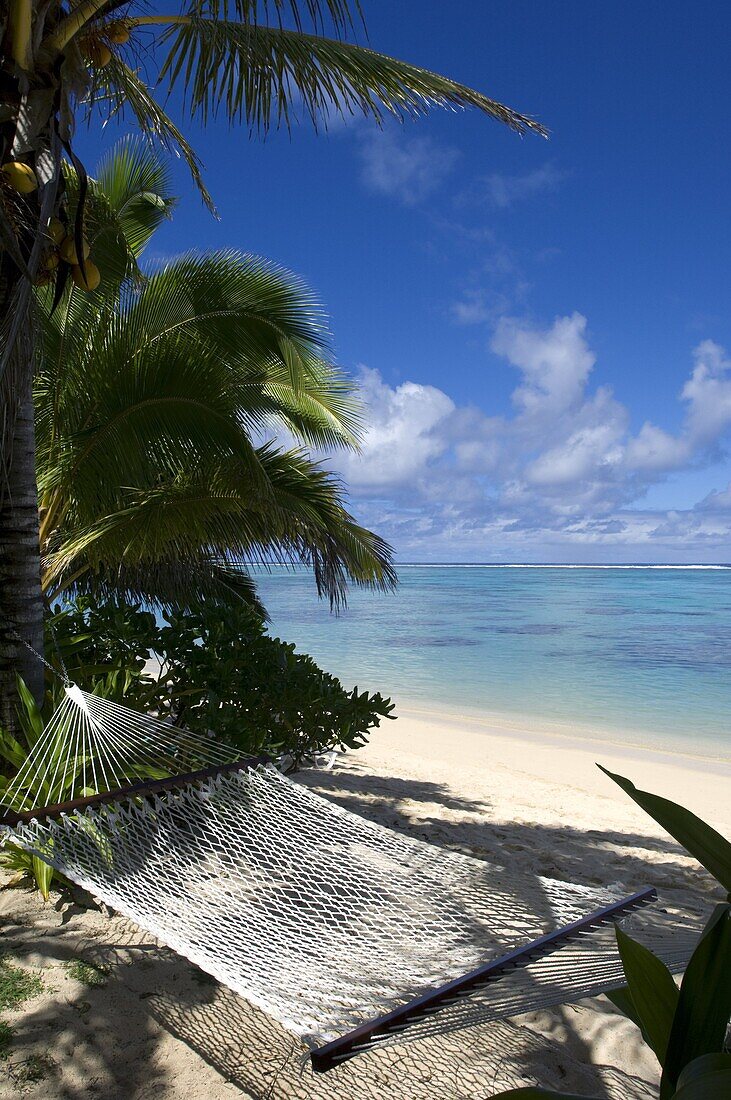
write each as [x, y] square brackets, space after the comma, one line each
[216, 669]
[685, 1027]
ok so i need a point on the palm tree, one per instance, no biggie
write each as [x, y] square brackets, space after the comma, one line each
[156, 402]
[249, 60]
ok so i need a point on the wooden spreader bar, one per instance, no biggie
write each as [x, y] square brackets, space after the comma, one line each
[347, 1046]
[152, 786]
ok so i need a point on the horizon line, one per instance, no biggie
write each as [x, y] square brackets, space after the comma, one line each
[293, 566]
[566, 565]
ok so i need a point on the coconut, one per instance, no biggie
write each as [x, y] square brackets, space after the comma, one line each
[68, 250]
[21, 177]
[93, 276]
[98, 53]
[47, 267]
[56, 230]
[117, 32]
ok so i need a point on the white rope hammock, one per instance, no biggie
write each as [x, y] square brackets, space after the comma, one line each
[344, 931]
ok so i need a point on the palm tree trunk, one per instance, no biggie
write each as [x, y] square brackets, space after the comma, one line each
[21, 603]
[21, 600]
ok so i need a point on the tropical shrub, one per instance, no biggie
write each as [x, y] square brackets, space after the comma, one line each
[685, 1027]
[13, 752]
[216, 669]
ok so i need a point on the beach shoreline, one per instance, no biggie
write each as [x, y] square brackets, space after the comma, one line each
[633, 743]
[541, 767]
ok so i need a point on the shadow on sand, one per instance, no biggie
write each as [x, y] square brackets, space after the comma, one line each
[112, 1035]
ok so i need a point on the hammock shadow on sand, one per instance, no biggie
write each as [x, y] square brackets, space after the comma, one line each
[414, 807]
[322, 918]
[251, 1051]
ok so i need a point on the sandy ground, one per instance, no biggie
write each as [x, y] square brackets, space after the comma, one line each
[159, 1028]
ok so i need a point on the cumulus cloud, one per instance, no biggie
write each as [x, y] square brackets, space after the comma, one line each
[562, 470]
[405, 434]
[555, 363]
[708, 393]
[716, 502]
[406, 168]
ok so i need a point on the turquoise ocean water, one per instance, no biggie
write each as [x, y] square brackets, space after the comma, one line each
[640, 654]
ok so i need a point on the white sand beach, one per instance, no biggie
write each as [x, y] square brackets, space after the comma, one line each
[159, 1028]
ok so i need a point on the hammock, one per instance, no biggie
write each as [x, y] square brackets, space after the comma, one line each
[343, 930]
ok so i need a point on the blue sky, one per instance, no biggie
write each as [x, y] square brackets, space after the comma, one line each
[540, 327]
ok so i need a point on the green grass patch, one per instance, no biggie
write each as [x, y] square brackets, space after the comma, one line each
[6, 1040]
[17, 985]
[88, 973]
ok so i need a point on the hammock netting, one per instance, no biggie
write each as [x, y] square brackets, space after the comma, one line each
[319, 917]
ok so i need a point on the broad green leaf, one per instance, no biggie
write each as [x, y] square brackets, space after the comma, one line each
[704, 1003]
[11, 750]
[706, 1078]
[699, 839]
[652, 989]
[29, 713]
[43, 875]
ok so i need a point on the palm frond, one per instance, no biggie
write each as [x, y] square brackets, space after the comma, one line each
[262, 323]
[121, 89]
[267, 75]
[326, 414]
[328, 538]
[247, 305]
[124, 207]
[171, 585]
[208, 515]
[341, 15]
[135, 183]
[150, 397]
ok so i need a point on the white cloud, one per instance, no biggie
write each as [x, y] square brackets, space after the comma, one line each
[707, 398]
[403, 436]
[716, 502]
[555, 363]
[708, 392]
[473, 308]
[563, 470]
[407, 168]
[579, 458]
[503, 189]
[655, 449]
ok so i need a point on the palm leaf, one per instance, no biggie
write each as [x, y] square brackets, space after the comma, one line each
[135, 184]
[340, 14]
[152, 397]
[119, 88]
[170, 584]
[268, 75]
[210, 517]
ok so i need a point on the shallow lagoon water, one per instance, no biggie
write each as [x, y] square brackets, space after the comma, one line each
[641, 654]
